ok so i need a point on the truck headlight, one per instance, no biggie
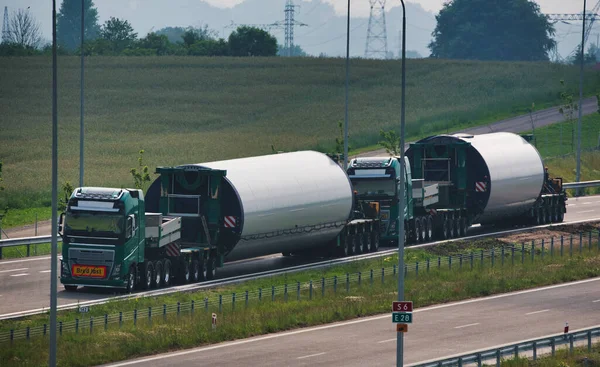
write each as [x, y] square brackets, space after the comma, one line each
[65, 272]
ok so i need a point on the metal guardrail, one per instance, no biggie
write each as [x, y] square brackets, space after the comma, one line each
[535, 346]
[584, 184]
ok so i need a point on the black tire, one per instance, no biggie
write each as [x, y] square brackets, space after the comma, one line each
[456, 227]
[158, 275]
[542, 215]
[417, 230]
[342, 251]
[463, 227]
[211, 268]
[367, 241]
[445, 229]
[70, 288]
[350, 244]
[359, 244]
[429, 222]
[167, 276]
[196, 271]
[148, 276]
[538, 218]
[550, 214]
[561, 214]
[131, 279]
[374, 241]
[185, 274]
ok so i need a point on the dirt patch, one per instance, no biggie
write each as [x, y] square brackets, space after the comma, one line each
[548, 233]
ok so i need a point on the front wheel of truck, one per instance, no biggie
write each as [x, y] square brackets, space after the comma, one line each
[131, 277]
[70, 288]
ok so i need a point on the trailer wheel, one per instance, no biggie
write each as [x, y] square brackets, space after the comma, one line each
[445, 223]
[423, 221]
[417, 227]
[211, 268]
[204, 268]
[463, 226]
[359, 245]
[158, 275]
[148, 275]
[167, 273]
[195, 271]
[429, 224]
[367, 241]
[185, 273]
[549, 214]
[375, 241]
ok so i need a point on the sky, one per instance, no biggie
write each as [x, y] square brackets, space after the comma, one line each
[325, 18]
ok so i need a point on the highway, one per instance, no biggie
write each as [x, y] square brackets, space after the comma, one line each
[26, 283]
[436, 332]
[517, 124]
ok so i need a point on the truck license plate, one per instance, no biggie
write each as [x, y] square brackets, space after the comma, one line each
[89, 271]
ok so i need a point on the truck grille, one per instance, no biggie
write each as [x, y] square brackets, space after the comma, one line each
[92, 257]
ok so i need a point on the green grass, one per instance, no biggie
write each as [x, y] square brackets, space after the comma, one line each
[25, 216]
[187, 110]
[190, 330]
[580, 357]
[565, 167]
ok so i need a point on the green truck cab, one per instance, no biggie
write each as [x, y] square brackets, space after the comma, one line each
[377, 179]
[110, 241]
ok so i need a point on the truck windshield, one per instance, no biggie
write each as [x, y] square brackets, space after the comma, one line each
[372, 187]
[94, 223]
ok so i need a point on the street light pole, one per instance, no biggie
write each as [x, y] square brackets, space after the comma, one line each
[347, 82]
[401, 193]
[53, 270]
[578, 173]
[81, 119]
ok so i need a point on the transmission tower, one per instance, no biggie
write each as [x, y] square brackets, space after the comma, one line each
[591, 18]
[288, 25]
[377, 33]
[5, 27]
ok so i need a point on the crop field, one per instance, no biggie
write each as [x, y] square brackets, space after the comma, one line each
[189, 110]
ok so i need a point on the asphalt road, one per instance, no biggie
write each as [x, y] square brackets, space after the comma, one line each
[436, 332]
[25, 283]
[516, 124]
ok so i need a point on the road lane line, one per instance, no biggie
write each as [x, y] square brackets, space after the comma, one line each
[19, 275]
[312, 355]
[534, 312]
[45, 271]
[11, 270]
[340, 324]
[585, 211]
[596, 301]
[386, 341]
[468, 325]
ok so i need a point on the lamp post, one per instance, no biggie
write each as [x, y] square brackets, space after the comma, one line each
[578, 172]
[54, 250]
[81, 118]
[401, 193]
[347, 82]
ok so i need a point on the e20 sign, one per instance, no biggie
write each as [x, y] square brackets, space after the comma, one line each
[402, 306]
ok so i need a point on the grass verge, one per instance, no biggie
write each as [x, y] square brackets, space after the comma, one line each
[580, 357]
[161, 334]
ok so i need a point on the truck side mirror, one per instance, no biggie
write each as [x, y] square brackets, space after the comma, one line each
[60, 223]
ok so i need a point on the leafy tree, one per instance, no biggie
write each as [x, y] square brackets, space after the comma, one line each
[252, 41]
[68, 23]
[23, 30]
[159, 43]
[588, 58]
[339, 141]
[67, 190]
[567, 108]
[209, 48]
[391, 142]
[119, 33]
[174, 34]
[297, 51]
[193, 35]
[492, 30]
[141, 176]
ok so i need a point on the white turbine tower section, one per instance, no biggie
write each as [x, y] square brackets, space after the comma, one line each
[377, 46]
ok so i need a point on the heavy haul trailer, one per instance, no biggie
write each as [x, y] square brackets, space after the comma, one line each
[195, 218]
[377, 179]
[489, 179]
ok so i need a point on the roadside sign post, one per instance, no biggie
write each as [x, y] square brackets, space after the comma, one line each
[402, 315]
[214, 321]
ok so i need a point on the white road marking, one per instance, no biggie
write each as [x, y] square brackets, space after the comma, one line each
[386, 341]
[346, 323]
[19, 275]
[462, 326]
[11, 270]
[586, 211]
[45, 271]
[596, 301]
[312, 355]
[534, 312]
